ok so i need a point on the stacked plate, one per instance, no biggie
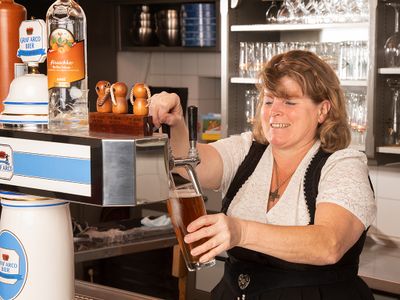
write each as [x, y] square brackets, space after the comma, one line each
[27, 102]
[198, 25]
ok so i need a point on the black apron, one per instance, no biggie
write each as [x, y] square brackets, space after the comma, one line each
[253, 275]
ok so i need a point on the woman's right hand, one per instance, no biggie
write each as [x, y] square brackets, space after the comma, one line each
[165, 108]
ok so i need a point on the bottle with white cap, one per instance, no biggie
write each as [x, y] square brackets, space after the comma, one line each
[66, 66]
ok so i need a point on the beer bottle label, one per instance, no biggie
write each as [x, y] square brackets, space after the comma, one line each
[65, 59]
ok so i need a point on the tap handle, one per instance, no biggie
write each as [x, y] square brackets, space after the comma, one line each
[166, 129]
[192, 123]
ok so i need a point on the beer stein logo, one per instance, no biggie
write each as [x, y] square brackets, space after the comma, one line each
[13, 265]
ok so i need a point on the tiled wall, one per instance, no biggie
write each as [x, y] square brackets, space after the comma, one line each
[386, 182]
[200, 72]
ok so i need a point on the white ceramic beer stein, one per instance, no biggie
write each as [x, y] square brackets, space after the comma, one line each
[36, 248]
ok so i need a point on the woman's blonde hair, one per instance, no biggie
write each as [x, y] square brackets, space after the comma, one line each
[317, 81]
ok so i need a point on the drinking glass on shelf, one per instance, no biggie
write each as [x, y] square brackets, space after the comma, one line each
[313, 12]
[272, 13]
[299, 11]
[251, 98]
[392, 45]
[251, 70]
[357, 115]
[361, 116]
[243, 67]
[258, 58]
[392, 134]
[285, 12]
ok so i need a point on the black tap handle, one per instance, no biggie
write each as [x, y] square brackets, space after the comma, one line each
[166, 129]
[192, 123]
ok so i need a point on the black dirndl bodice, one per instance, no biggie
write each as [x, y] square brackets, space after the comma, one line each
[251, 275]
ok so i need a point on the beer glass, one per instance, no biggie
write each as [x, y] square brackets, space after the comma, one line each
[186, 204]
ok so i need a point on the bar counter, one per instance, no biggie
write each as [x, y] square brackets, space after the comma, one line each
[90, 291]
[379, 264]
[380, 267]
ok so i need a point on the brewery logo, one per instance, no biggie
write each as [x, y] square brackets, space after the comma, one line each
[13, 265]
[6, 162]
[29, 30]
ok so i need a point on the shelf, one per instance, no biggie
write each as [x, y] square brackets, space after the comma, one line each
[353, 82]
[393, 71]
[294, 27]
[144, 244]
[246, 80]
[168, 49]
[388, 149]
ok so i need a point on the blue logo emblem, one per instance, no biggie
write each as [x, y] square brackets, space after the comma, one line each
[13, 266]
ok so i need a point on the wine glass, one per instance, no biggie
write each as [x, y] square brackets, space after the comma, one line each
[300, 11]
[392, 45]
[313, 10]
[392, 134]
[285, 12]
[272, 13]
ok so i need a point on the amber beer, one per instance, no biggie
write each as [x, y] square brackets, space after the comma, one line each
[185, 206]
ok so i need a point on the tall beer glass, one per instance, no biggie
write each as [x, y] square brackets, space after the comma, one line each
[184, 206]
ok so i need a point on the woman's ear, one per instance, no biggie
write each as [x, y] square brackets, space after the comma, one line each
[324, 108]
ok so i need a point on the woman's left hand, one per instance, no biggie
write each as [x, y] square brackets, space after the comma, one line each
[221, 232]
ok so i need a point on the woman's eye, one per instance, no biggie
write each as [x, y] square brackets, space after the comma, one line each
[290, 102]
[268, 101]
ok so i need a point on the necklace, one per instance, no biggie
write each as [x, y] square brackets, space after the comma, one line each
[274, 195]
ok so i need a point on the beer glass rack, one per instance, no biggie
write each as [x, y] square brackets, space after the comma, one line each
[245, 21]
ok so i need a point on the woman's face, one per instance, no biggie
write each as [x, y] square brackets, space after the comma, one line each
[291, 121]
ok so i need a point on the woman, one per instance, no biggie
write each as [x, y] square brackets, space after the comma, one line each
[283, 241]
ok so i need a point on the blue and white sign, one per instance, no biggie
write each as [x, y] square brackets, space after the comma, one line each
[33, 41]
[58, 167]
[6, 162]
[13, 266]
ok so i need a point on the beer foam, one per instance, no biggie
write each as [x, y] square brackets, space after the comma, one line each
[187, 193]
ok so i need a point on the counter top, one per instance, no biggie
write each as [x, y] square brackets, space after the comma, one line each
[380, 267]
[90, 291]
[140, 245]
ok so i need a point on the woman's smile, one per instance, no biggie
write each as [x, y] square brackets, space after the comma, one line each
[279, 125]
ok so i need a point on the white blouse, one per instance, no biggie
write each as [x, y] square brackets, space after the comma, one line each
[344, 181]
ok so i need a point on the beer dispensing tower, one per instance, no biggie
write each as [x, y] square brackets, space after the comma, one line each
[41, 171]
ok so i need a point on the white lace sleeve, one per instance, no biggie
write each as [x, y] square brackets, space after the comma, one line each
[232, 150]
[344, 181]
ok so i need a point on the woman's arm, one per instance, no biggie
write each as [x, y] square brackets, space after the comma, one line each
[335, 231]
[165, 108]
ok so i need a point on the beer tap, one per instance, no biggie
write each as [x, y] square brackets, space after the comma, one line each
[192, 160]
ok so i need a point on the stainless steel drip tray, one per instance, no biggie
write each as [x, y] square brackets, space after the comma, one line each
[91, 291]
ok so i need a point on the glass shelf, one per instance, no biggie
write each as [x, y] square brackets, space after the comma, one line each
[388, 149]
[246, 80]
[393, 71]
[294, 27]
